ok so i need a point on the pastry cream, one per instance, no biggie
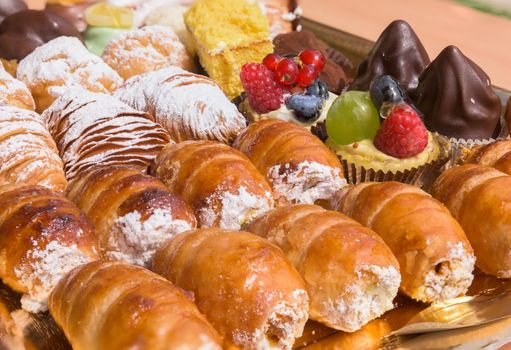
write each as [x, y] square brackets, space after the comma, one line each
[365, 154]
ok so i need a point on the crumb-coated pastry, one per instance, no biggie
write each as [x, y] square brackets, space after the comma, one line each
[28, 154]
[43, 236]
[298, 166]
[144, 50]
[223, 187]
[434, 253]
[13, 92]
[351, 275]
[96, 129]
[244, 285]
[479, 198]
[228, 34]
[62, 64]
[189, 106]
[133, 213]
[496, 154]
[111, 305]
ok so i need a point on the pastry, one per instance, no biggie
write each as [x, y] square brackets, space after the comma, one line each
[398, 52]
[507, 115]
[110, 305]
[351, 275]
[249, 292]
[22, 32]
[28, 154]
[457, 98]
[133, 213]
[435, 256]
[10, 66]
[335, 75]
[280, 15]
[8, 7]
[74, 12]
[13, 92]
[144, 50]
[223, 187]
[96, 129]
[43, 237]
[297, 165]
[187, 105]
[63, 64]
[228, 34]
[496, 154]
[478, 197]
[142, 8]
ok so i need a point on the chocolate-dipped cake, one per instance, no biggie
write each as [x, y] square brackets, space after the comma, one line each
[22, 32]
[294, 42]
[456, 97]
[8, 7]
[398, 52]
[74, 13]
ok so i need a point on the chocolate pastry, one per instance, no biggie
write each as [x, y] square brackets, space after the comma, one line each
[294, 42]
[22, 32]
[73, 13]
[8, 7]
[508, 115]
[399, 53]
[456, 97]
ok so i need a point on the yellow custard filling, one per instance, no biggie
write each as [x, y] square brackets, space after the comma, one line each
[365, 154]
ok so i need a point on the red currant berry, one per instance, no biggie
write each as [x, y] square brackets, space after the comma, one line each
[307, 75]
[271, 61]
[314, 58]
[286, 72]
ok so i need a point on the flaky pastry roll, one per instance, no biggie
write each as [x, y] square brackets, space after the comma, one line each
[496, 154]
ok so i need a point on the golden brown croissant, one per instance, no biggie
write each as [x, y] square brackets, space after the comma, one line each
[43, 236]
[480, 199]
[351, 275]
[434, 254]
[112, 306]
[496, 154]
[219, 182]
[244, 285]
[96, 129]
[14, 92]
[133, 213]
[299, 167]
[28, 154]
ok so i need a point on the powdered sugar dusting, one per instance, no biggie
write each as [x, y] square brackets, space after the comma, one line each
[189, 106]
[235, 209]
[13, 91]
[41, 270]
[135, 241]
[305, 183]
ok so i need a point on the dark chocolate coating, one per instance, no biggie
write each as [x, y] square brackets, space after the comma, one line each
[8, 7]
[398, 52]
[456, 97]
[294, 42]
[508, 115]
[73, 13]
[22, 32]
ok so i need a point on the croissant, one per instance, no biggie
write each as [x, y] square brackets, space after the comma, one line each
[496, 154]
[133, 213]
[110, 305]
[220, 183]
[43, 236]
[96, 129]
[244, 285]
[351, 275]
[299, 167]
[14, 92]
[435, 256]
[480, 199]
[189, 106]
[27, 152]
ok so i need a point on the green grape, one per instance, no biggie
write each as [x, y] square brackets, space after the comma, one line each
[352, 117]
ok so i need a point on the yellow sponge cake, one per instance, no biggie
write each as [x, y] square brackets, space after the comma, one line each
[228, 34]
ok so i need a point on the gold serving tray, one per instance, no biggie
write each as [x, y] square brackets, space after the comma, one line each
[480, 319]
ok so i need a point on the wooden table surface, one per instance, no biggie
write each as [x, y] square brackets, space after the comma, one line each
[484, 38]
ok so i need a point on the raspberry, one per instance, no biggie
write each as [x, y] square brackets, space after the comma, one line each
[402, 134]
[263, 92]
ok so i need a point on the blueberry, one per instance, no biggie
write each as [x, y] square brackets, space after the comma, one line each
[307, 108]
[385, 89]
[318, 88]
